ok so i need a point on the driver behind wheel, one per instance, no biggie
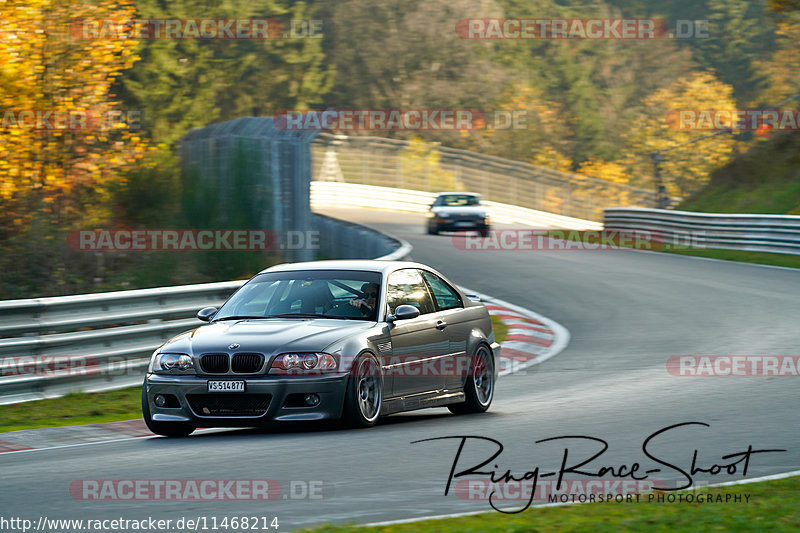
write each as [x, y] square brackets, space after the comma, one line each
[368, 303]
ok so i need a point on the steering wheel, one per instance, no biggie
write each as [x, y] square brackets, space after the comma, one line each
[345, 310]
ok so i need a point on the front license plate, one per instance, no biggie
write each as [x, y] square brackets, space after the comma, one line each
[464, 224]
[226, 386]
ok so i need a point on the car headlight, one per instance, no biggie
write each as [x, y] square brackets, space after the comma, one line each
[300, 363]
[170, 361]
[443, 215]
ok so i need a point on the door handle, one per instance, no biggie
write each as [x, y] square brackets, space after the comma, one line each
[441, 324]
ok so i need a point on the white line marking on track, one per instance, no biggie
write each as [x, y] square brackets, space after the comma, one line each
[90, 443]
[76, 445]
[771, 477]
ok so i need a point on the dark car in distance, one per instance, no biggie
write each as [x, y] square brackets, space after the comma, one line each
[458, 211]
[325, 340]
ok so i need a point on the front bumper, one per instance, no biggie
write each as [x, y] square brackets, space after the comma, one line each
[330, 389]
[496, 349]
[460, 225]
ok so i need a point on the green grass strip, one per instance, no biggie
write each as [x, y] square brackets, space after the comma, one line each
[73, 409]
[772, 507]
[500, 329]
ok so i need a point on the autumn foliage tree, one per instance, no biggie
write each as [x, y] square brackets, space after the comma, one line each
[611, 186]
[528, 127]
[64, 139]
[782, 69]
[687, 166]
[422, 169]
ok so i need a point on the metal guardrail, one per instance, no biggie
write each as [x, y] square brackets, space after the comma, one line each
[338, 194]
[95, 342]
[429, 167]
[754, 233]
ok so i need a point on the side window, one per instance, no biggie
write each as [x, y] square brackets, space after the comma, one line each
[407, 287]
[443, 294]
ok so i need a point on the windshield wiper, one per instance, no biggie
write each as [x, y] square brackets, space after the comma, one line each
[236, 317]
[310, 315]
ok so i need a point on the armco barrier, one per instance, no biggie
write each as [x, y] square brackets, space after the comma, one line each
[754, 233]
[419, 166]
[107, 338]
[338, 194]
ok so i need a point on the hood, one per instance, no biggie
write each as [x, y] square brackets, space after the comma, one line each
[470, 210]
[267, 336]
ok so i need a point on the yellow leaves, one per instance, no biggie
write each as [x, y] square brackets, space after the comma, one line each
[6, 189]
[532, 127]
[606, 170]
[782, 69]
[551, 158]
[615, 173]
[421, 166]
[687, 164]
[44, 156]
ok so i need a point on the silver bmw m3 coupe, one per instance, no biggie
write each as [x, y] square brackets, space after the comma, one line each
[458, 211]
[325, 340]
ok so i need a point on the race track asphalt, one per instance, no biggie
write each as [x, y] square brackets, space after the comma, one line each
[627, 312]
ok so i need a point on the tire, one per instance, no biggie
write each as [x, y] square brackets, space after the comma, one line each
[484, 232]
[167, 429]
[433, 230]
[479, 387]
[364, 395]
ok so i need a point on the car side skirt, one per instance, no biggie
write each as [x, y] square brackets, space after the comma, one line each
[421, 401]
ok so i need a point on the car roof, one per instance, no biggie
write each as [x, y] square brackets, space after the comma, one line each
[369, 265]
[458, 193]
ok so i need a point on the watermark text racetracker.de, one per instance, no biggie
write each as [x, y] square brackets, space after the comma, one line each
[586, 490]
[119, 240]
[70, 119]
[403, 120]
[733, 119]
[255, 490]
[580, 28]
[553, 240]
[583, 490]
[734, 365]
[195, 29]
[57, 365]
[381, 119]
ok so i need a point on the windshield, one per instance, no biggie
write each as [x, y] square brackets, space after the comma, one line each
[306, 293]
[457, 200]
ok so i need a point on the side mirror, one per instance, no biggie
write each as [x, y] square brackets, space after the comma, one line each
[206, 313]
[403, 312]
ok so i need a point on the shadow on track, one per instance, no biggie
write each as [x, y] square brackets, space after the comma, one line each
[324, 428]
